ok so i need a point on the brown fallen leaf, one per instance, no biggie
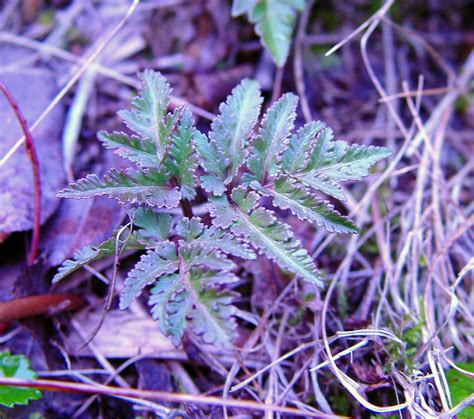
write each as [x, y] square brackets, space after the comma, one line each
[123, 335]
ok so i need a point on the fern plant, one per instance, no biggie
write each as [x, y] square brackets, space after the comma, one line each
[189, 265]
[273, 20]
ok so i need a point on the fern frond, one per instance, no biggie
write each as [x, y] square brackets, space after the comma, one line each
[141, 151]
[152, 265]
[273, 21]
[145, 186]
[304, 205]
[232, 128]
[181, 160]
[267, 234]
[272, 139]
[149, 109]
[214, 238]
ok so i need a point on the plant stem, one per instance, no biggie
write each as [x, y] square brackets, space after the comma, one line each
[72, 387]
[35, 305]
[186, 208]
[33, 156]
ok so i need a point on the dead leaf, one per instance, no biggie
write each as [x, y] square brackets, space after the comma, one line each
[33, 88]
[123, 335]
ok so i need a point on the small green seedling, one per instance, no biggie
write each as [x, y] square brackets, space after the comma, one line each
[244, 173]
[16, 366]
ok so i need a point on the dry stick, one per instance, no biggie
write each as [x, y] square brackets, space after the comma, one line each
[410, 33]
[425, 92]
[72, 387]
[300, 348]
[390, 76]
[33, 156]
[110, 293]
[87, 62]
[450, 240]
[101, 359]
[35, 305]
[460, 87]
[248, 345]
[78, 413]
[272, 382]
[375, 17]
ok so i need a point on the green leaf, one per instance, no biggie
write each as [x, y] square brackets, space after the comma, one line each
[272, 139]
[213, 164]
[155, 263]
[16, 366]
[181, 160]
[84, 256]
[289, 195]
[301, 146]
[141, 151]
[145, 186]
[170, 304]
[222, 213]
[239, 7]
[196, 254]
[316, 160]
[191, 297]
[152, 227]
[214, 238]
[274, 21]
[352, 163]
[267, 234]
[182, 300]
[149, 109]
[90, 254]
[461, 387]
[321, 183]
[232, 128]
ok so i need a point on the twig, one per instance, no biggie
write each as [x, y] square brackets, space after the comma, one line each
[119, 247]
[21, 308]
[33, 156]
[375, 17]
[71, 387]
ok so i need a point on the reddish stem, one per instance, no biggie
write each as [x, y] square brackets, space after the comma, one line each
[36, 305]
[33, 156]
